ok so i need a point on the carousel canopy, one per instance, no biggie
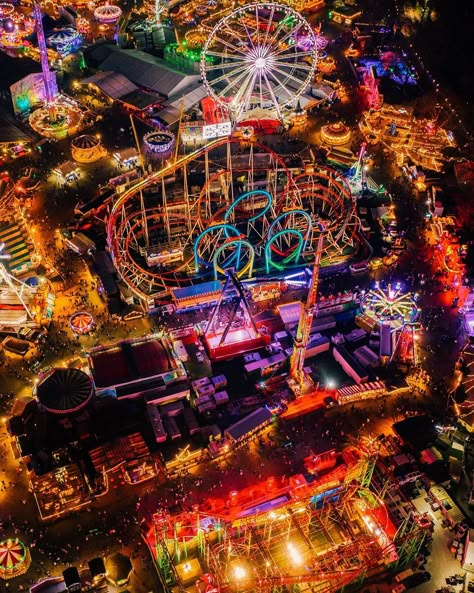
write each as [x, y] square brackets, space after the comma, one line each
[64, 391]
[63, 36]
[85, 142]
[14, 558]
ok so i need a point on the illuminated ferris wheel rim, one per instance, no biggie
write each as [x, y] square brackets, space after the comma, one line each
[259, 59]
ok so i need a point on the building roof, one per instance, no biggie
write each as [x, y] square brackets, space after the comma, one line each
[119, 87]
[253, 421]
[127, 362]
[97, 53]
[114, 84]
[172, 110]
[64, 390]
[356, 367]
[147, 71]
[66, 168]
[290, 312]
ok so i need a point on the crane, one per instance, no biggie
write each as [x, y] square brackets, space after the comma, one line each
[299, 382]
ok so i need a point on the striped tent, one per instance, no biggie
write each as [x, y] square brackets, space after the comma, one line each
[14, 558]
[15, 240]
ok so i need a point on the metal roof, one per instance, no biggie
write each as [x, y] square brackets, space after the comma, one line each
[147, 71]
[114, 84]
[191, 97]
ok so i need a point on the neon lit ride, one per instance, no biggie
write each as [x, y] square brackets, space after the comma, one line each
[244, 211]
[107, 14]
[390, 305]
[81, 322]
[15, 558]
[259, 57]
[60, 116]
[159, 142]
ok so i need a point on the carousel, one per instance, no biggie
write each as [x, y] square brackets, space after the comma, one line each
[87, 149]
[15, 558]
[335, 134]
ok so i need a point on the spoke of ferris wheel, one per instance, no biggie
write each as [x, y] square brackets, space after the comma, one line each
[286, 75]
[274, 37]
[293, 66]
[290, 70]
[270, 90]
[301, 66]
[232, 30]
[260, 86]
[292, 52]
[231, 46]
[236, 81]
[245, 90]
[248, 93]
[291, 32]
[211, 67]
[225, 76]
[269, 22]
[250, 34]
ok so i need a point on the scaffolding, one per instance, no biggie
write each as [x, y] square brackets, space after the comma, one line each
[408, 541]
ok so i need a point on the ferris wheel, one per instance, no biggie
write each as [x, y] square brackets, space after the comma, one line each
[259, 57]
[390, 305]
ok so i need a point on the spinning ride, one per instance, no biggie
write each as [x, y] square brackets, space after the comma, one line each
[59, 116]
[65, 41]
[159, 143]
[15, 27]
[15, 558]
[81, 322]
[107, 14]
[224, 207]
[257, 57]
[390, 306]
[6, 9]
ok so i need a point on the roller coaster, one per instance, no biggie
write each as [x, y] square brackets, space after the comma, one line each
[228, 205]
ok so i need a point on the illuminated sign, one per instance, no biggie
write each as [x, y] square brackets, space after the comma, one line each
[217, 130]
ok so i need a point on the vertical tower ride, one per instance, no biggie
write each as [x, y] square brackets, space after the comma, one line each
[49, 83]
[299, 382]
